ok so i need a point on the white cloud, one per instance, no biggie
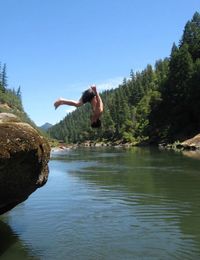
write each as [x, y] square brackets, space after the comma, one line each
[70, 109]
[110, 83]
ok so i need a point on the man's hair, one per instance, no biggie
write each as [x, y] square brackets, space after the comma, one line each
[96, 124]
[88, 95]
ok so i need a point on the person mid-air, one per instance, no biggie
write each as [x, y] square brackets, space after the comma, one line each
[91, 96]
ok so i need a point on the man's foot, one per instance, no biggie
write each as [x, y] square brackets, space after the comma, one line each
[58, 103]
[94, 88]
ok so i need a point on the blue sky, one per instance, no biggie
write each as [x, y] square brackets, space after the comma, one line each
[58, 48]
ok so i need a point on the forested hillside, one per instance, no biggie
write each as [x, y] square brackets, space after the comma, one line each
[158, 104]
[10, 99]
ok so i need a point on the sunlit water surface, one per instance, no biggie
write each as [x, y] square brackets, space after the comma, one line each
[108, 203]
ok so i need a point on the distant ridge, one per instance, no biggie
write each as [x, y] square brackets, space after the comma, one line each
[46, 126]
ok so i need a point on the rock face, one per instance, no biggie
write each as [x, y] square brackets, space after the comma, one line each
[24, 156]
[193, 143]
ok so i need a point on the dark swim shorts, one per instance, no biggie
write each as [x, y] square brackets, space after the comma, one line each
[87, 95]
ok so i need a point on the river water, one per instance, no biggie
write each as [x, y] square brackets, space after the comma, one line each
[105, 203]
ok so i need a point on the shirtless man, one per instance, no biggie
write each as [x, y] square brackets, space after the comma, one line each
[92, 96]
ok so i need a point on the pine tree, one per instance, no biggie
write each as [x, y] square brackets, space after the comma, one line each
[132, 75]
[4, 78]
[191, 36]
[19, 94]
[194, 98]
[161, 70]
[2, 85]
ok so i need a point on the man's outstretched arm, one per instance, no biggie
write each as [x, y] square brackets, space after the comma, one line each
[62, 101]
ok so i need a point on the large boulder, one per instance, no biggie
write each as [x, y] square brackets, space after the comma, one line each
[24, 156]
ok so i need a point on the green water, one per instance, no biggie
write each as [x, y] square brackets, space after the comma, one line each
[108, 203]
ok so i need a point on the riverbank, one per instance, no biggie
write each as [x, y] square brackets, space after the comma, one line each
[119, 144]
[189, 147]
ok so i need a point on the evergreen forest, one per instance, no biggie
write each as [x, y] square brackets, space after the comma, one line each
[158, 104]
[11, 99]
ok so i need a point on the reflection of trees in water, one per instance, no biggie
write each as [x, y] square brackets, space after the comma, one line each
[163, 183]
[11, 247]
[7, 237]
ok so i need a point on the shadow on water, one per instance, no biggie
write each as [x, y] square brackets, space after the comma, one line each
[11, 247]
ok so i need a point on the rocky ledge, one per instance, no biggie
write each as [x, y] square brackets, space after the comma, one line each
[24, 156]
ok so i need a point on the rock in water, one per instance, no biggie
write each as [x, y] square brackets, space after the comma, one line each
[24, 156]
[192, 143]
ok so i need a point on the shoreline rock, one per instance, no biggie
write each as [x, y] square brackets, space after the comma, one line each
[192, 143]
[89, 144]
[24, 156]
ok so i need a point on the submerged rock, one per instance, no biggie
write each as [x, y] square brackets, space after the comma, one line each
[24, 156]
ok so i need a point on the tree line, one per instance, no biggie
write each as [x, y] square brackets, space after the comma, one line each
[11, 99]
[8, 96]
[159, 104]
